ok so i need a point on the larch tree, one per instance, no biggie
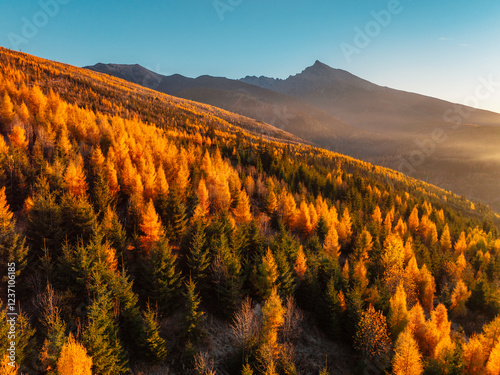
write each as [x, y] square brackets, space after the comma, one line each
[151, 228]
[459, 297]
[303, 220]
[372, 339]
[473, 356]
[445, 240]
[203, 207]
[377, 216]
[344, 228]
[491, 334]
[426, 288]
[183, 180]
[242, 212]
[300, 264]
[416, 323]
[267, 274]
[461, 244]
[493, 364]
[398, 316]
[75, 180]
[6, 111]
[270, 200]
[74, 359]
[17, 137]
[407, 358]
[272, 320]
[393, 261]
[331, 245]
[363, 246]
[287, 209]
[6, 368]
[413, 221]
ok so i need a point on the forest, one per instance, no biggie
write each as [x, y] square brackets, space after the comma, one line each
[153, 235]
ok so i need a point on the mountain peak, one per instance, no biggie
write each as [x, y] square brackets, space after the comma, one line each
[318, 68]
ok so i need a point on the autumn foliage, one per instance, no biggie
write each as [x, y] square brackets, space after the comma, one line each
[114, 196]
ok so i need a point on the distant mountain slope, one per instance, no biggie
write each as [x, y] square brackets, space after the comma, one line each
[282, 111]
[364, 104]
[339, 111]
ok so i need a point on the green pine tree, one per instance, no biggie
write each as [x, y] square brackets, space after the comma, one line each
[12, 247]
[44, 222]
[101, 338]
[198, 256]
[155, 349]
[286, 279]
[78, 220]
[226, 277]
[158, 277]
[174, 215]
[194, 315]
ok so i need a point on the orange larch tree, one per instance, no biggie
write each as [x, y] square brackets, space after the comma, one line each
[151, 228]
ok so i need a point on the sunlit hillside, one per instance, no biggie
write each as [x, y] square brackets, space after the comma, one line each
[151, 234]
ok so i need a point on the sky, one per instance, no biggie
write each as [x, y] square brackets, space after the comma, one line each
[447, 49]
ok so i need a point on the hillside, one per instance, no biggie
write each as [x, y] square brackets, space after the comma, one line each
[282, 111]
[341, 112]
[151, 234]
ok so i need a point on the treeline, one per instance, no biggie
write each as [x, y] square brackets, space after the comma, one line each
[128, 236]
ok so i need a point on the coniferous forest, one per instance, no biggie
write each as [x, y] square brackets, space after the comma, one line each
[153, 235]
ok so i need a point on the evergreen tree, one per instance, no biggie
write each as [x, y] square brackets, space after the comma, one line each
[44, 221]
[286, 280]
[225, 272]
[198, 256]
[194, 315]
[78, 220]
[159, 278]
[101, 339]
[155, 349]
[113, 232]
[12, 247]
[175, 215]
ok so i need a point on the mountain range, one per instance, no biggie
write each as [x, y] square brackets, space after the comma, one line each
[446, 144]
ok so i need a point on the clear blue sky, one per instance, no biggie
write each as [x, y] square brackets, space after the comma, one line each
[434, 47]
